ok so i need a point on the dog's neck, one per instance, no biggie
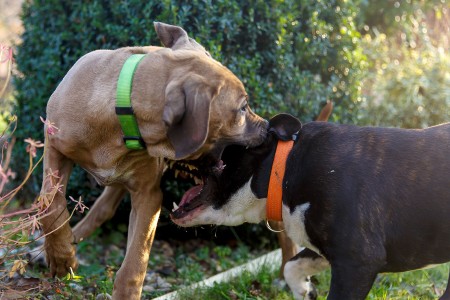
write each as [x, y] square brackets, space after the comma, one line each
[275, 190]
[268, 171]
[131, 134]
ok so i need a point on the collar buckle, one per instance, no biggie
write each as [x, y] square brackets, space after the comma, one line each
[271, 229]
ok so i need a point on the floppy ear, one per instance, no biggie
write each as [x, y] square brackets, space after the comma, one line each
[171, 36]
[284, 126]
[186, 114]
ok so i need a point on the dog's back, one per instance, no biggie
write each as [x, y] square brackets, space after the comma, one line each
[387, 183]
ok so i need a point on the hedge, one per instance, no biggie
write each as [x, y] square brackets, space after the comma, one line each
[291, 55]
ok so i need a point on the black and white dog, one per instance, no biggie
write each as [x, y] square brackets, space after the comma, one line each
[363, 200]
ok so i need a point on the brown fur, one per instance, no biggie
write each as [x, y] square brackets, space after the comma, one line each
[185, 103]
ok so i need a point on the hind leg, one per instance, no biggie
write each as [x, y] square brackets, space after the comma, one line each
[351, 279]
[59, 241]
[103, 209]
[298, 270]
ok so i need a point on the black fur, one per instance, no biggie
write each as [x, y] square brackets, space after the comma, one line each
[379, 197]
[380, 192]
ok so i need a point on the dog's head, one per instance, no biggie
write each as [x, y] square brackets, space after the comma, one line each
[235, 191]
[206, 105]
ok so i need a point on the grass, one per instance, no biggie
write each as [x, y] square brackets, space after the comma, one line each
[177, 263]
[193, 261]
[246, 286]
[419, 284]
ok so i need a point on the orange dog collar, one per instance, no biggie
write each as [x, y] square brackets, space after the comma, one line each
[275, 192]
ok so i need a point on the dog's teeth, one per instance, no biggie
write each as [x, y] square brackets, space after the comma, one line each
[197, 180]
[175, 206]
[176, 173]
[171, 164]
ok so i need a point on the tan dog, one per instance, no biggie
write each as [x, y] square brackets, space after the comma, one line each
[187, 106]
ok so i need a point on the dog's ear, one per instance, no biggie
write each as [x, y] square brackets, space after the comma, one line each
[284, 126]
[186, 114]
[171, 36]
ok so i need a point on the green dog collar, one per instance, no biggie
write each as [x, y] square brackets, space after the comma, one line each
[124, 111]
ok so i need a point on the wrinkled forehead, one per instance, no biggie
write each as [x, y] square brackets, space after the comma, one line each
[196, 46]
[231, 96]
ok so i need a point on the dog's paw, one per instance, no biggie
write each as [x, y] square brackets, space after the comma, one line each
[303, 289]
[60, 257]
[311, 294]
[311, 291]
[103, 296]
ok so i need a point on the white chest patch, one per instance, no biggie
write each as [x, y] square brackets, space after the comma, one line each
[295, 225]
[243, 206]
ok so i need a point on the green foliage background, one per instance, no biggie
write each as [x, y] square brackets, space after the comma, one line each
[291, 55]
[407, 45]
[381, 62]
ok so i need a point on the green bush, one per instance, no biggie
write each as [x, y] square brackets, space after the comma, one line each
[291, 55]
[408, 83]
[391, 16]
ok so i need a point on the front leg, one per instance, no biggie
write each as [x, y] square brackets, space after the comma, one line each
[351, 280]
[146, 199]
[298, 270]
[59, 241]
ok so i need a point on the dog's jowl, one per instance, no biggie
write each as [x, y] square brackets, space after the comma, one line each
[183, 104]
[362, 200]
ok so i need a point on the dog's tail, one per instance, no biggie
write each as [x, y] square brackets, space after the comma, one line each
[326, 112]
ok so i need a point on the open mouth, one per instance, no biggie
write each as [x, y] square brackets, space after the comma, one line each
[199, 170]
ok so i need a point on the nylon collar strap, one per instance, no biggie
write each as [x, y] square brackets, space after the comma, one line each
[124, 111]
[275, 192]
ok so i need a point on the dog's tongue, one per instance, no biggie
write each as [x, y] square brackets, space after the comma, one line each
[190, 194]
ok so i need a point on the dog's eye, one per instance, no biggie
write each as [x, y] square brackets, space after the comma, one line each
[244, 108]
